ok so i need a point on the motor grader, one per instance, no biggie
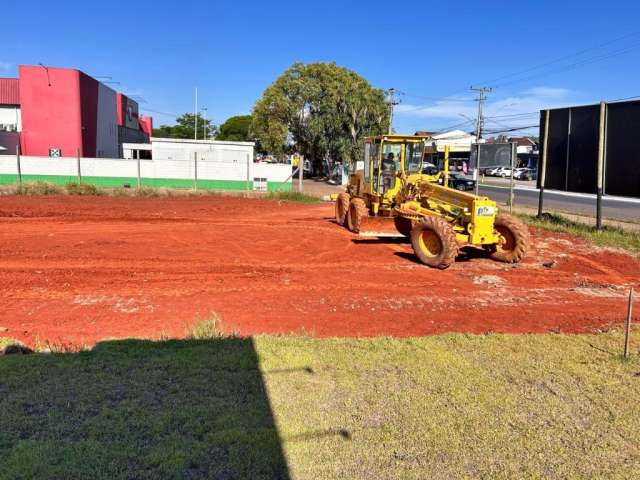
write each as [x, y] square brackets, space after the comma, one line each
[438, 219]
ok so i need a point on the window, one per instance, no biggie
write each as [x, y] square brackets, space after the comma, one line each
[413, 155]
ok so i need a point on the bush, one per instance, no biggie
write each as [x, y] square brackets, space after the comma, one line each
[293, 197]
[74, 188]
[38, 188]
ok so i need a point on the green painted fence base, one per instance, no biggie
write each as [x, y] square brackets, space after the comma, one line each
[132, 182]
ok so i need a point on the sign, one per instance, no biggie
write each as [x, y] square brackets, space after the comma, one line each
[55, 152]
[260, 184]
[131, 114]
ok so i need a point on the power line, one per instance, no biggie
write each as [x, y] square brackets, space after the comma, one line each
[564, 57]
[585, 61]
[581, 63]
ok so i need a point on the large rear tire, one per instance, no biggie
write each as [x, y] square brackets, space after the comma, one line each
[434, 242]
[514, 239]
[357, 211]
[404, 225]
[342, 207]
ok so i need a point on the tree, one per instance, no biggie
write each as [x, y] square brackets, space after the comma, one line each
[323, 110]
[185, 127]
[236, 129]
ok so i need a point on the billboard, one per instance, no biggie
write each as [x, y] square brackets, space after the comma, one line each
[491, 155]
[572, 148]
[127, 112]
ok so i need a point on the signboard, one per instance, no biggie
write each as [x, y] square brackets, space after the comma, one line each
[491, 155]
[572, 148]
[55, 152]
[130, 113]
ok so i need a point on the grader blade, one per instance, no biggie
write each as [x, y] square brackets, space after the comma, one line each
[381, 227]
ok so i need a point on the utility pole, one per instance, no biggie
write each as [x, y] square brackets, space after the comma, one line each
[480, 121]
[195, 115]
[392, 103]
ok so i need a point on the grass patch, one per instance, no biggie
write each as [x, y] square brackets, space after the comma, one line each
[74, 188]
[38, 188]
[207, 329]
[607, 237]
[450, 406]
[293, 197]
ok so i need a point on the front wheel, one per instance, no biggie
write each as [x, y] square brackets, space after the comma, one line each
[514, 239]
[342, 207]
[434, 242]
[357, 211]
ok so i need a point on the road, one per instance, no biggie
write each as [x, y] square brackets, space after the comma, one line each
[612, 208]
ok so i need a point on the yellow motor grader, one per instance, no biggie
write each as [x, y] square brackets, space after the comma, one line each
[394, 185]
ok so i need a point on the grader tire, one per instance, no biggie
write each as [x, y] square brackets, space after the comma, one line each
[434, 242]
[403, 225]
[357, 211]
[515, 239]
[342, 208]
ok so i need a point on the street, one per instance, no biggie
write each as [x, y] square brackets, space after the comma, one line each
[612, 208]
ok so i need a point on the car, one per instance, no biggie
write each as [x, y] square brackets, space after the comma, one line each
[429, 169]
[459, 182]
[523, 174]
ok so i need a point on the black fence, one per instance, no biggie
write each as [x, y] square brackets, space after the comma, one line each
[572, 148]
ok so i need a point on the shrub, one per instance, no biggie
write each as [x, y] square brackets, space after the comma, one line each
[74, 188]
[38, 188]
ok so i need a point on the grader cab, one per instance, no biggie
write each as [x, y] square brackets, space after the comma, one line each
[394, 185]
[375, 187]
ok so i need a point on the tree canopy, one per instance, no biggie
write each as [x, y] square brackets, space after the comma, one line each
[185, 127]
[236, 129]
[324, 110]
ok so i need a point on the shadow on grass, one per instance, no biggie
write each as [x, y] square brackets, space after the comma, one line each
[139, 409]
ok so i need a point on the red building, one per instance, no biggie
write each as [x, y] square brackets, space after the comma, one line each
[63, 111]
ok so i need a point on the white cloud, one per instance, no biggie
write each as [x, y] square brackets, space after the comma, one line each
[549, 92]
[512, 111]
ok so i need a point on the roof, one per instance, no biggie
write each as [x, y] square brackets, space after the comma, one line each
[522, 141]
[9, 91]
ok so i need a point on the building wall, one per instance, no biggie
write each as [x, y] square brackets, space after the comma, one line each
[65, 109]
[51, 115]
[106, 129]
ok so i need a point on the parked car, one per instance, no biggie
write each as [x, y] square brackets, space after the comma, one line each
[524, 174]
[459, 182]
[429, 169]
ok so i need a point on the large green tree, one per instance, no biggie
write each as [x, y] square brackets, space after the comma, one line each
[236, 129]
[185, 128]
[322, 110]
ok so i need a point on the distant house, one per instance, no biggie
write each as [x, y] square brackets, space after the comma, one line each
[525, 145]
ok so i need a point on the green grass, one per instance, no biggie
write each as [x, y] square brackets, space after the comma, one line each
[450, 406]
[607, 237]
[293, 197]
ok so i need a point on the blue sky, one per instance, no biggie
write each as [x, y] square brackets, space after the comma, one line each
[430, 51]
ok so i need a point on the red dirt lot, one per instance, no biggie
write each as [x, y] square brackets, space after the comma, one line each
[81, 269]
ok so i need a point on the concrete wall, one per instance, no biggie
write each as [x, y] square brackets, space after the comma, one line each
[211, 174]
